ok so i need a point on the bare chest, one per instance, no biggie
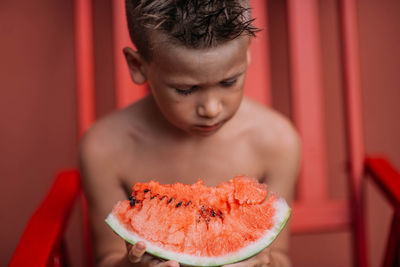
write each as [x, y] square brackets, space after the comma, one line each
[174, 163]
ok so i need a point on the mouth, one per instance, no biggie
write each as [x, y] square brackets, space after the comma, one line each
[208, 128]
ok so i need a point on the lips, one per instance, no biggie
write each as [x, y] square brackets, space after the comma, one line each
[208, 128]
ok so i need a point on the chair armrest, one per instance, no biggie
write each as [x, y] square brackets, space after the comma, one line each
[385, 176]
[47, 225]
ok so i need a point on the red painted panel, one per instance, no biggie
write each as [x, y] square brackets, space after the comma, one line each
[126, 91]
[355, 137]
[84, 64]
[352, 86]
[307, 93]
[258, 81]
[320, 216]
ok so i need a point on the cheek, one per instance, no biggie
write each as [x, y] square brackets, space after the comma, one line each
[161, 96]
[177, 110]
[182, 109]
[233, 100]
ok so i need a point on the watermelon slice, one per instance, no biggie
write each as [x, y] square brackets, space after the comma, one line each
[198, 225]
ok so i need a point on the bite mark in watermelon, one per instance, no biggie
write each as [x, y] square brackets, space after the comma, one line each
[198, 225]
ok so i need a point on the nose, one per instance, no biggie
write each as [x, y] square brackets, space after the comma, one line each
[210, 107]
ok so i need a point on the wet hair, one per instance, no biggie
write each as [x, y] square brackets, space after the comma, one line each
[191, 23]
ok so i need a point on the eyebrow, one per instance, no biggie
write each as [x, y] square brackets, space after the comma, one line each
[234, 76]
[188, 85]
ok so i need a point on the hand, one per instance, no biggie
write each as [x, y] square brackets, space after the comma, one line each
[262, 259]
[136, 254]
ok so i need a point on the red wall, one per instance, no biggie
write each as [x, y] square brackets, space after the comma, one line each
[379, 26]
[37, 109]
[380, 58]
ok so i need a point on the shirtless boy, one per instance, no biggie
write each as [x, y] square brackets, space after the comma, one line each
[195, 122]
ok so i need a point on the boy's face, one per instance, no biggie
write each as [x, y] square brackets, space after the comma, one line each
[198, 90]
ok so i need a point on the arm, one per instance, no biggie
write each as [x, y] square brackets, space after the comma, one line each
[282, 164]
[102, 189]
[281, 178]
[279, 154]
[99, 164]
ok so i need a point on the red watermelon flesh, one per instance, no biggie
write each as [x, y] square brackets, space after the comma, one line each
[200, 225]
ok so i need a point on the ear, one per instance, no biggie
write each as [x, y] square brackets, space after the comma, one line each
[136, 65]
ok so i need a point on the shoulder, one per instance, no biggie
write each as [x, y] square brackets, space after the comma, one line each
[270, 130]
[275, 141]
[108, 141]
[97, 151]
[113, 133]
[101, 140]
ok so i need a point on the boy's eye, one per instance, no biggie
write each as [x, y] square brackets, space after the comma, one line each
[228, 83]
[186, 91]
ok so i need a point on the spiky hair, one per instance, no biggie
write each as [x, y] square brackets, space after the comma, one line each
[191, 23]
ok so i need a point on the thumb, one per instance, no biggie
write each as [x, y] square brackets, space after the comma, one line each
[136, 252]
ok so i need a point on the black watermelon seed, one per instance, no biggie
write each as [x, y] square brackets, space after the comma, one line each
[169, 201]
[153, 197]
[213, 213]
[187, 204]
[132, 202]
[146, 190]
[178, 205]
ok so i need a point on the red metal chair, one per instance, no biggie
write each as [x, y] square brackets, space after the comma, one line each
[42, 242]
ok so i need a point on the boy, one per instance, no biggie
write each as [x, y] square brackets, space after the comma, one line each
[195, 123]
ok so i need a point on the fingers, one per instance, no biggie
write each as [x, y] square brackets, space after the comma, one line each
[263, 261]
[158, 263]
[135, 252]
[170, 264]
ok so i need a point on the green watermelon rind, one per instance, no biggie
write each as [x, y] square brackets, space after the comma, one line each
[280, 219]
